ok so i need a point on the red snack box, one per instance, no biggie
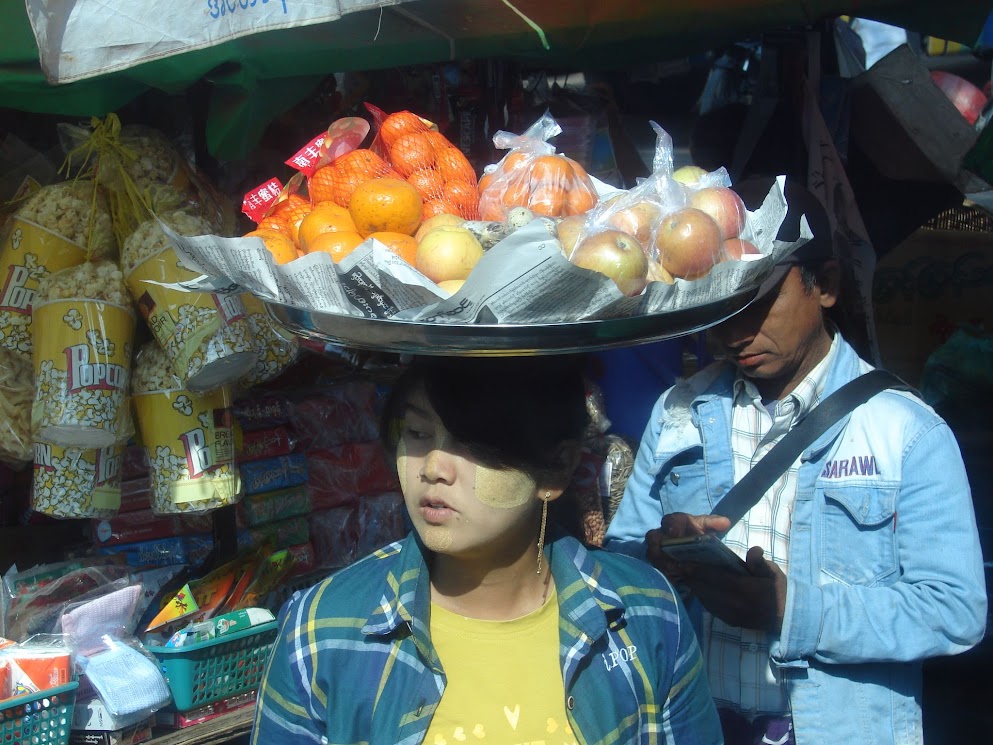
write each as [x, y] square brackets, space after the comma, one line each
[130, 527]
[334, 535]
[266, 443]
[344, 413]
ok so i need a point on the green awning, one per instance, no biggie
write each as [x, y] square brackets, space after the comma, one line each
[255, 78]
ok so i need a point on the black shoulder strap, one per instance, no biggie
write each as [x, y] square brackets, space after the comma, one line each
[743, 495]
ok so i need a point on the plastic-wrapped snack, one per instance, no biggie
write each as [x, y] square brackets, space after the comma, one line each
[207, 336]
[16, 395]
[56, 228]
[275, 347]
[614, 475]
[159, 170]
[189, 439]
[82, 357]
[70, 482]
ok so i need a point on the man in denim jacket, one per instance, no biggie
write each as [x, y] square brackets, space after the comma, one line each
[864, 556]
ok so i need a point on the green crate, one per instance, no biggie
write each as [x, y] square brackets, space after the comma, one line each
[42, 718]
[200, 674]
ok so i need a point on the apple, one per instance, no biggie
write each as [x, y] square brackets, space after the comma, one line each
[447, 252]
[724, 206]
[435, 221]
[657, 273]
[617, 255]
[636, 220]
[689, 174]
[689, 243]
[451, 285]
[735, 248]
[568, 231]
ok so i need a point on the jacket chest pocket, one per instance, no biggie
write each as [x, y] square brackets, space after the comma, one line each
[858, 541]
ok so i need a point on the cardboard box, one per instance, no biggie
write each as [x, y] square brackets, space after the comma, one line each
[924, 288]
[94, 715]
[183, 719]
[127, 736]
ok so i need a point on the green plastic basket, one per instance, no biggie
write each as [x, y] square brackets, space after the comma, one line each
[44, 717]
[214, 670]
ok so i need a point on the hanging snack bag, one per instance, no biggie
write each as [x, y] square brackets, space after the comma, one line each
[189, 439]
[82, 357]
[16, 395]
[71, 482]
[206, 336]
[275, 347]
[531, 175]
[442, 175]
[56, 228]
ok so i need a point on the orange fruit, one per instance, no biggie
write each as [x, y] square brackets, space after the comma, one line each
[464, 196]
[274, 223]
[337, 244]
[553, 170]
[517, 192]
[385, 204]
[434, 207]
[398, 124]
[283, 249]
[579, 171]
[492, 210]
[438, 141]
[411, 153]
[484, 181]
[336, 181]
[326, 217]
[454, 166]
[548, 201]
[578, 200]
[428, 183]
[291, 211]
[513, 161]
[401, 244]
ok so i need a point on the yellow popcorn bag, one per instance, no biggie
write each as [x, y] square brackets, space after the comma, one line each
[16, 395]
[275, 347]
[82, 360]
[76, 483]
[206, 336]
[188, 437]
[56, 228]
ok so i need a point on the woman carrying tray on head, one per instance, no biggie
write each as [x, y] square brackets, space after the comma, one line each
[484, 625]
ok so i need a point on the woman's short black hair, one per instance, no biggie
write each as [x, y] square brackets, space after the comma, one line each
[507, 412]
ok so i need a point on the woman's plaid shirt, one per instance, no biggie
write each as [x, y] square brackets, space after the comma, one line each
[354, 664]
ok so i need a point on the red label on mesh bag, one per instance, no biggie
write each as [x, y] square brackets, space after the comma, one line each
[261, 199]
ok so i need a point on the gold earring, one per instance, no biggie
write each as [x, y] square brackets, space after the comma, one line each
[541, 533]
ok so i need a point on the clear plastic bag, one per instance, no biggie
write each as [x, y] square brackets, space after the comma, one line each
[683, 224]
[532, 175]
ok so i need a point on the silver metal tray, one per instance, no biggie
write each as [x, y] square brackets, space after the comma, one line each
[496, 340]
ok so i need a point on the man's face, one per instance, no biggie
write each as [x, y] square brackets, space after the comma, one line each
[780, 338]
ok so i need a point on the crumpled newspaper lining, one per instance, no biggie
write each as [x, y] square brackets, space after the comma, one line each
[523, 279]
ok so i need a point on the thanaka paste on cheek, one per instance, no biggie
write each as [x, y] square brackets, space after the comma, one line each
[503, 488]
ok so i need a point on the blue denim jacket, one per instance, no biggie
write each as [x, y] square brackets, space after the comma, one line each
[885, 567]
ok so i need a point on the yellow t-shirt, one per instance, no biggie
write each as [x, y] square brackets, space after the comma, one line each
[504, 680]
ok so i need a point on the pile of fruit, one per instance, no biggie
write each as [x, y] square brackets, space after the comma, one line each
[415, 193]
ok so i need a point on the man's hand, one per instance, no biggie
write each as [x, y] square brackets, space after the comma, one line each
[753, 602]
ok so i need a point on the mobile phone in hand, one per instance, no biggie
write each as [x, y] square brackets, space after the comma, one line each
[704, 549]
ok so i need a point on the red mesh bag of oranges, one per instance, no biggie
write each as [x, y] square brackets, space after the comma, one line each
[442, 175]
[532, 175]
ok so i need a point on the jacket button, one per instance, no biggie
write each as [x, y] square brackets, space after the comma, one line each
[570, 703]
[674, 477]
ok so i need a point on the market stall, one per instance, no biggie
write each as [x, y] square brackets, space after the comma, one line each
[192, 374]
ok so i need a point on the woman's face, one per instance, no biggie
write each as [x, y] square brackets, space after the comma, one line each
[459, 507]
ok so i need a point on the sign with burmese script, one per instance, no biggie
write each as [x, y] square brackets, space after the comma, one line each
[79, 39]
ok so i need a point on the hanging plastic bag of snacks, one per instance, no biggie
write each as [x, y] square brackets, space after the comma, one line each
[16, 395]
[188, 437]
[206, 336]
[56, 228]
[531, 175]
[82, 357]
[275, 347]
[72, 482]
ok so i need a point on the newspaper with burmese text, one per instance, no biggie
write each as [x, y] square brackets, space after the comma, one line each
[523, 279]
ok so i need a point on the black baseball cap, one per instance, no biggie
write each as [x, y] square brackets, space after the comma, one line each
[800, 201]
